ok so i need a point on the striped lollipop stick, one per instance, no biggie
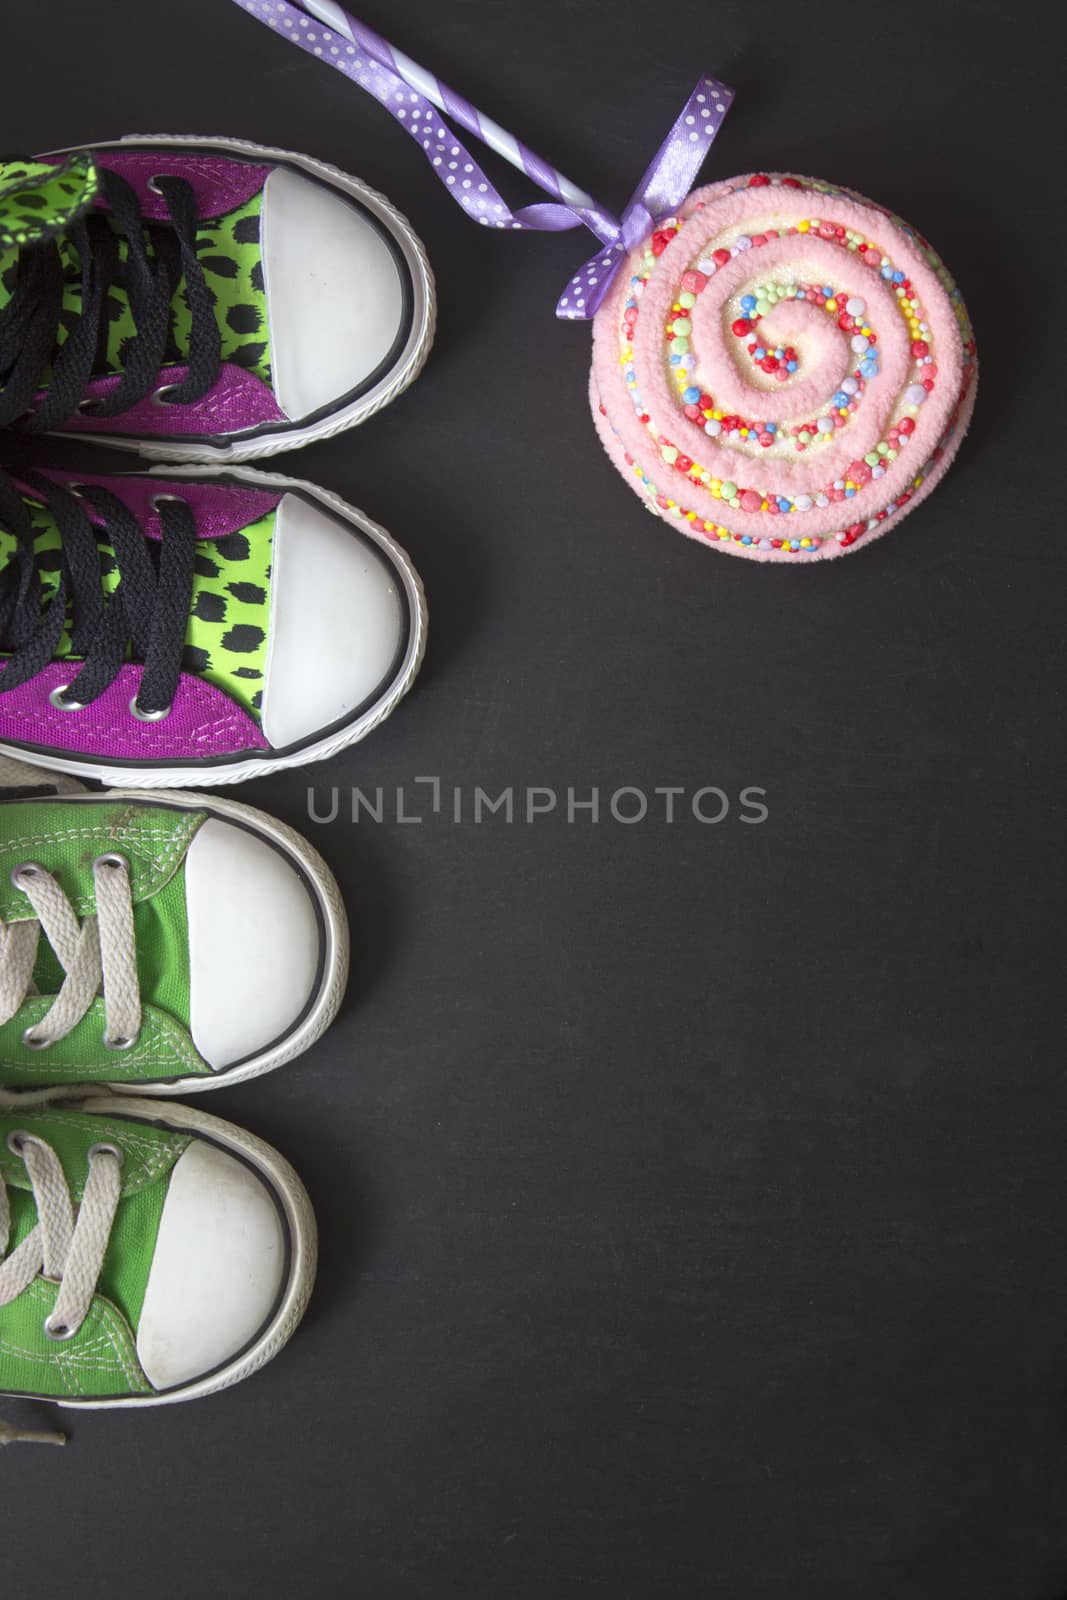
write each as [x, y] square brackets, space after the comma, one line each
[454, 105]
[421, 103]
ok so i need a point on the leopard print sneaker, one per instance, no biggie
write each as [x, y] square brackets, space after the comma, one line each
[187, 625]
[203, 299]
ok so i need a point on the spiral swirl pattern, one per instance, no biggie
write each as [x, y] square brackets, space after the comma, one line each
[783, 369]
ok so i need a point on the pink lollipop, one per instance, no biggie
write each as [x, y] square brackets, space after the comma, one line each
[781, 369]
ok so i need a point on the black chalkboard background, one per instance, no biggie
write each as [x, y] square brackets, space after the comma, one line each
[692, 1196]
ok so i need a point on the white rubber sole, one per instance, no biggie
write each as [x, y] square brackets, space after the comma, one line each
[404, 371]
[295, 1206]
[226, 772]
[335, 953]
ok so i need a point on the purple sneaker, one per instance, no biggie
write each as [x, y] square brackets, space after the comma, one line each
[194, 626]
[203, 299]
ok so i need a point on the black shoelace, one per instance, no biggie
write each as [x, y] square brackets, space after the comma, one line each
[158, 256]
[144, 619]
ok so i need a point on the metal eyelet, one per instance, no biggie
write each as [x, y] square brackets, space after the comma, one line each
[57, 698]
[16, 1139]
[59, 1332]
[89, 405]
[30, 1041]
[111, 858]
[147, 716]
[158, 500]
[24, 869]
[106, 1150]
[159, 396]
[122, 1042]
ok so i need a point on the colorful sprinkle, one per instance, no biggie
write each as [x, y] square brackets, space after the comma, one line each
[759, 445]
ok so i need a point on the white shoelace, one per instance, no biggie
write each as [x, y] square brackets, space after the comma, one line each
[16, 774]
[86, 1242]
[67, 1250]
[99, 956]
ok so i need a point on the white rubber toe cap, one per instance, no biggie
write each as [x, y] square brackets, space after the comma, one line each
[335, 295]
[218, 1268]
[255, 943]
[338, 620]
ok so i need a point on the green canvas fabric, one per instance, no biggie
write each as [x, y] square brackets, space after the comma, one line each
[226, 635]
[39, 199]
[163, 1050]
[161, 928]
[100, 1361]
[231, 256]
[64, 837]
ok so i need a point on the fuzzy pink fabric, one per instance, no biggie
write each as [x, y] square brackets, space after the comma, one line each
[638, 401]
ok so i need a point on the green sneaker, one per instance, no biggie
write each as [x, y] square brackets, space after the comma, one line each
[153, 942]
[147, 1254]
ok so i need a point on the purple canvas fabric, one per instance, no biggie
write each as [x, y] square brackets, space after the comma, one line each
[237, 400]
[219, 508]
[203, 721]
[220, 183]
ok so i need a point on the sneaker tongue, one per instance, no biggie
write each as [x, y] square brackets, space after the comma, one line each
[226, 632]
[161, 937]
[38, 202]
[128, 1262]
[39, 199]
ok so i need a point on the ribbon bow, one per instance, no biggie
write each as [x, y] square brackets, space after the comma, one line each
[420, 102]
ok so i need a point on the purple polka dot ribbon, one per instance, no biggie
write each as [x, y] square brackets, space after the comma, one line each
[425, 107]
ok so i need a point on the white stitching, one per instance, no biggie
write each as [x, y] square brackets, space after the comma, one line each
[174, 843]
[233, 722]
[168, 1041]
[151, 1158]
[108, 1328]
